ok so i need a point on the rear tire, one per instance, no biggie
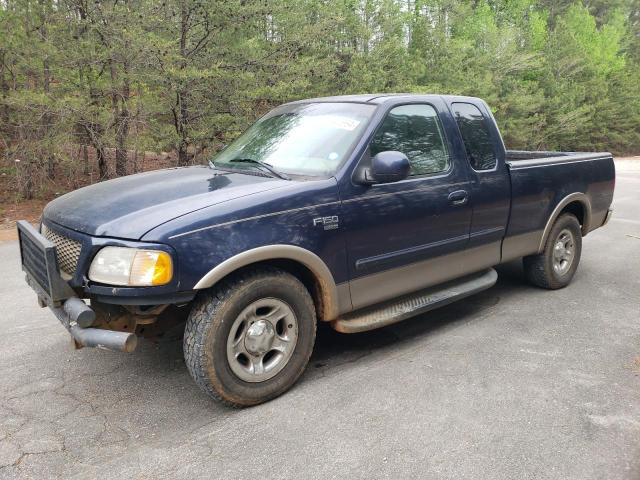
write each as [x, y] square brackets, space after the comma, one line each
[555, 266]
[248, 339]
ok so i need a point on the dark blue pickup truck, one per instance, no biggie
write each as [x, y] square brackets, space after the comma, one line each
[359, 211]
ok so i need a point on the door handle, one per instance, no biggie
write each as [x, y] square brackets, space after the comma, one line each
[459, 197]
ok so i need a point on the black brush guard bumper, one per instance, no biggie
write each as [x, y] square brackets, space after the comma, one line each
[40, 264]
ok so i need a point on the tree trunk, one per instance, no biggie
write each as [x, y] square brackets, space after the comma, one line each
[25, 179]
[121, 142]
[180, 115]
[85, 160]
[183, 154]
[121, 91]
[4, 91]
[47, 118]
[121, 157]
[95, 133]
[181, 109]
[102, 163]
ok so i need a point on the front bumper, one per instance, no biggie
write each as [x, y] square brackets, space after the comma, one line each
[39, 262]
[607, 217]
[171, 293]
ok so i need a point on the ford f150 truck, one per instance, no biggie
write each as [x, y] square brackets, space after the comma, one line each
[359, 211]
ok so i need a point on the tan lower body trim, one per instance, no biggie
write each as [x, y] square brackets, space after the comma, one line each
[520, 245]
[344, 299]
[382, 286]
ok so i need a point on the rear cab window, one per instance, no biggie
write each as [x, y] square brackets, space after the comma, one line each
[476, 136]
[414, 130]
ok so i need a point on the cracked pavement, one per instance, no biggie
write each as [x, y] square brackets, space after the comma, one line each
[514, 382]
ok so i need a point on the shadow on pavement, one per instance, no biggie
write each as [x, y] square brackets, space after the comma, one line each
[331, 344]
[160, 366]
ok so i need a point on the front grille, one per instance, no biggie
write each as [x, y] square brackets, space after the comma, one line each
[35, 262]
[68, 250]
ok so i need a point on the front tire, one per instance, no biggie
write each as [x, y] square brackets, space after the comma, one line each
[249, 339]
[555, 267]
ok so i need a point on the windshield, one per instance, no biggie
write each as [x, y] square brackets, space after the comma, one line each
[304, 139]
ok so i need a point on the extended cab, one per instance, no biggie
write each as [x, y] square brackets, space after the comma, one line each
[359, 211]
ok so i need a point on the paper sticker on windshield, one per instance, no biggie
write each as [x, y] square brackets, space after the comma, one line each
[345, 123]
[331, 121]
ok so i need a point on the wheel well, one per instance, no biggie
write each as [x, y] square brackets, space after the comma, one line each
[576, 208]
[301, 272]
[578, 205]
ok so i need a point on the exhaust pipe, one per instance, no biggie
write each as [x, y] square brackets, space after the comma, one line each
[79, 312]
[74, 314]
[107, 339]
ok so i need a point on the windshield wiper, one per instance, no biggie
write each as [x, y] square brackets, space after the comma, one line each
[264, 165]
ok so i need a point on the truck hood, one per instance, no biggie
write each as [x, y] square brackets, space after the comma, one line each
[128, 207]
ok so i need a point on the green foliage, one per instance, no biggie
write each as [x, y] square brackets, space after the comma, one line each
[189, 75]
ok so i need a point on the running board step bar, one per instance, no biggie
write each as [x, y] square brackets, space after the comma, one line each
[395, 311]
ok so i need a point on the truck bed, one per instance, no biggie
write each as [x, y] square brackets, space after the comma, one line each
[542, 182]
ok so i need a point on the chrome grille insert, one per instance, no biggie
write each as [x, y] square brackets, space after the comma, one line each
[68, 250]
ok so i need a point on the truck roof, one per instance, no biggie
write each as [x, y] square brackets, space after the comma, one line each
[379, 98]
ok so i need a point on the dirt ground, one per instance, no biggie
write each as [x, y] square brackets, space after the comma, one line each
[67, 179]
[11, 212]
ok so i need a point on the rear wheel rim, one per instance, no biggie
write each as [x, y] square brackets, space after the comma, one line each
[564, 251]
[262, 340]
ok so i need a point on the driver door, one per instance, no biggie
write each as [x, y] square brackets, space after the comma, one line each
[404, 236]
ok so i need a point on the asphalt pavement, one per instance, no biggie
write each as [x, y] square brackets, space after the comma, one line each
[512, 383]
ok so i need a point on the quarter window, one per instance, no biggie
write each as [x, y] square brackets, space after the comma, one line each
[414, 130]
[475, 135]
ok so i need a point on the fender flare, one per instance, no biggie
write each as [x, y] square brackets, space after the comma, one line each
[279, 252]
[574, 197]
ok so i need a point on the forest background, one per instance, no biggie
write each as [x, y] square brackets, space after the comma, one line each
[91, 90]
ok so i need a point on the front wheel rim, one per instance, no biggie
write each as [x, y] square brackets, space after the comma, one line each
[564, 250]
[262, 340]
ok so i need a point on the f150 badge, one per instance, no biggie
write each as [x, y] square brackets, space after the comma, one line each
[329, 223]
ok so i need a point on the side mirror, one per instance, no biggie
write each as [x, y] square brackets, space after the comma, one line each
[387, 167]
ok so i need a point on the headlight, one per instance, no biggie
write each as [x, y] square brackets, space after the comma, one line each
[131, 267]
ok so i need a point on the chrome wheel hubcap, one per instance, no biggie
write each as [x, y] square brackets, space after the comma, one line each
[259, 338]
[262, 340]
[563, 252]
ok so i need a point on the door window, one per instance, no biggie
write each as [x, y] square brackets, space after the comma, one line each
[475, 135]
[414, 130]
